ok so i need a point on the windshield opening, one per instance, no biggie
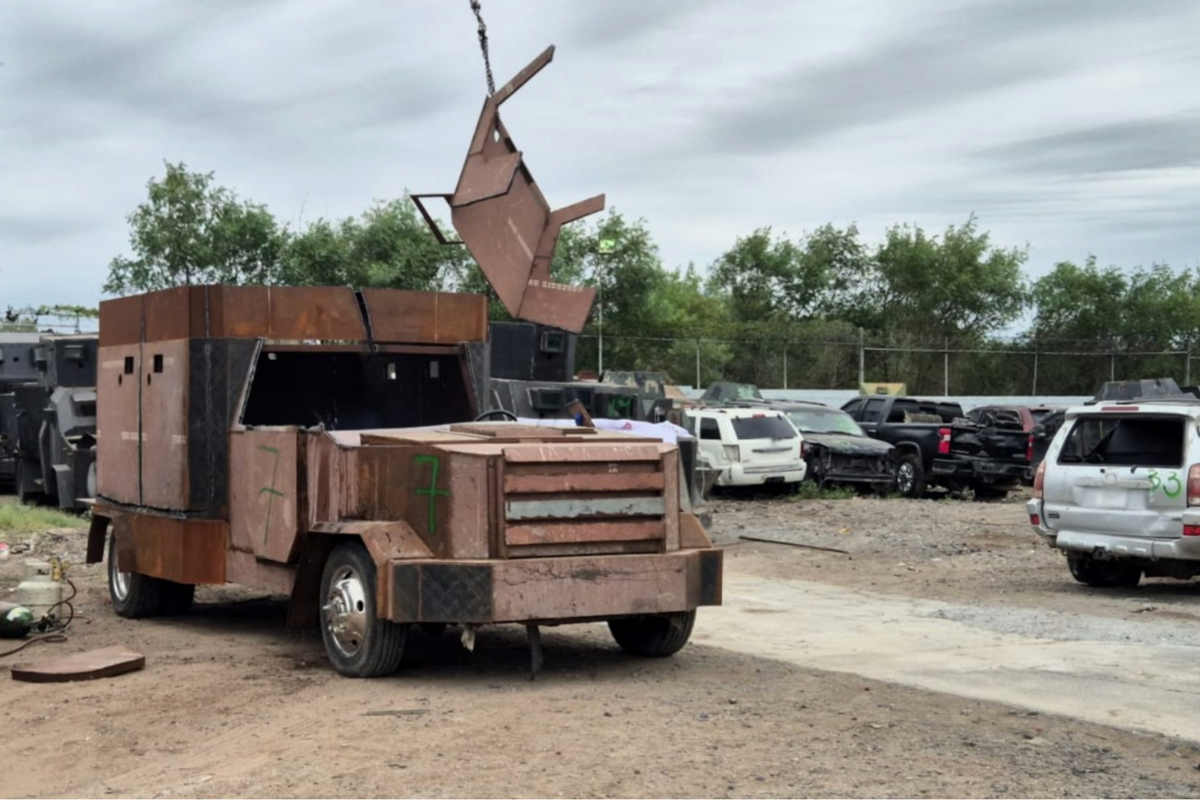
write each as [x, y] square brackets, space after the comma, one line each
[764, 427]
[819, 420]
[1132, 441]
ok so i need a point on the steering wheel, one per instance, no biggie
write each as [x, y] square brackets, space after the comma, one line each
[501, 411]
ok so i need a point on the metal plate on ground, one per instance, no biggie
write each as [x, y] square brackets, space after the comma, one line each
[103, 663]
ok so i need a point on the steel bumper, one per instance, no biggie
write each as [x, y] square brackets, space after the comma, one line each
[546, 590]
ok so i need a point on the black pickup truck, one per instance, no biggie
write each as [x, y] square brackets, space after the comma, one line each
[936, 445]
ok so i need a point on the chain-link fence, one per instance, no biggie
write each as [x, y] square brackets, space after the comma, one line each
[1055, 368]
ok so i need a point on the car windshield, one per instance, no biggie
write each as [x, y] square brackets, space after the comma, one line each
[1040, 414]
[824, 420]
[763, 427]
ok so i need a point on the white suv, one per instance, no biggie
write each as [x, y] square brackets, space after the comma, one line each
[1119, 491]
[748, 446]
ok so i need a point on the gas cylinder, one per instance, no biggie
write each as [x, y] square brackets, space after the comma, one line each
[40, 592]
[15, 621]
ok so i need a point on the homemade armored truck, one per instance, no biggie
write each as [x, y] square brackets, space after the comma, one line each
[48, 419]
[300, 440]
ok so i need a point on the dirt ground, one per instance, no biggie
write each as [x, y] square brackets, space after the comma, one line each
[231, 704]
[941, 549]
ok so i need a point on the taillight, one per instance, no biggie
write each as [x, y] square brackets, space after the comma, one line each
[803, 448]
[1193, 492]
[1035, 520]
[943, 441]
[1191, 530]
[1039, 481]
[733, 452]
[1029, 449]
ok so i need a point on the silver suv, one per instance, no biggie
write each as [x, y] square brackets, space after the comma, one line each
[1119, 491]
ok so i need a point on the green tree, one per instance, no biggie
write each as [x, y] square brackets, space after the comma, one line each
[387, 246]
[189, 231]
[959, 287]
[1128, 318]
[770, 278]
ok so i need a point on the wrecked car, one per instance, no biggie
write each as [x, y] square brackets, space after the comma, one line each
[1118, 491]
[838, 451]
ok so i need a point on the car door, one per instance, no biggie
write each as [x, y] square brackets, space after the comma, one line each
[1119, 472]
[872, 414]
[708, 436]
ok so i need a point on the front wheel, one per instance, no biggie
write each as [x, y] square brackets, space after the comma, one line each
[358, 642]
[910, 476]
[1104, 574]
[653, 636]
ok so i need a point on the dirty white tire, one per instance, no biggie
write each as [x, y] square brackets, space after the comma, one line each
[358, 642]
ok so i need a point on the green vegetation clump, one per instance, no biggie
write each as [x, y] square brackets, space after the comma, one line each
[810, 491]
[18, 520]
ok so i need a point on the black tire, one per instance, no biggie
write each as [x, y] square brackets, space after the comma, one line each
[359, 644]
[983, 491]
[653, 636]
[177, 598]
[25, 476]
[814, 476]
[910, 476]
[133, 596]
[1104, 574]
[434, 630]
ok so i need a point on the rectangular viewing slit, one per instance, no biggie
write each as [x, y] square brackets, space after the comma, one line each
[158, 362]
[558, 533]
[128, 365]
[578, 509]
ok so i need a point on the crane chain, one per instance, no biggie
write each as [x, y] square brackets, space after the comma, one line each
[483, 45]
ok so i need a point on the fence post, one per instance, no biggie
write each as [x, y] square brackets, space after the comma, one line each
[1112, 366]
[1035, 367]
[785, 365]
[1187, 371]
[946, 369]
[698, 364]
[862, 360]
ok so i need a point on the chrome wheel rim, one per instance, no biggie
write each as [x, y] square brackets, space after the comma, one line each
[904, 477]
[119, 581]
[345, 611]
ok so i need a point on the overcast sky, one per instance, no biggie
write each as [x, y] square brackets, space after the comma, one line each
[1070, 125]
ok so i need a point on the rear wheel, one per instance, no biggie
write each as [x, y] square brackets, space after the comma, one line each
[910, 476]
[133, 596]
[177, 598]
[653, 636]
[26, 480]
[359, 643]
[985, 491]
[1104, 574]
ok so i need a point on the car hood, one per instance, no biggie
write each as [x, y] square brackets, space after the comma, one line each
[849, 445]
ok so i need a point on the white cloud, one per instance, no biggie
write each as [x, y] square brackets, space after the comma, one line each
[1056, 122]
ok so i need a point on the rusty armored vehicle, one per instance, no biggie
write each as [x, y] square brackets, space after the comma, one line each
[322, 443]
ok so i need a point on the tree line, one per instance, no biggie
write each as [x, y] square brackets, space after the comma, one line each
[824, 303]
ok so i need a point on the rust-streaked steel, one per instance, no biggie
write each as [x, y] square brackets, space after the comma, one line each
[504, 220]
[164, 463]
[181, 550]
[426, 317]
[118, 414]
